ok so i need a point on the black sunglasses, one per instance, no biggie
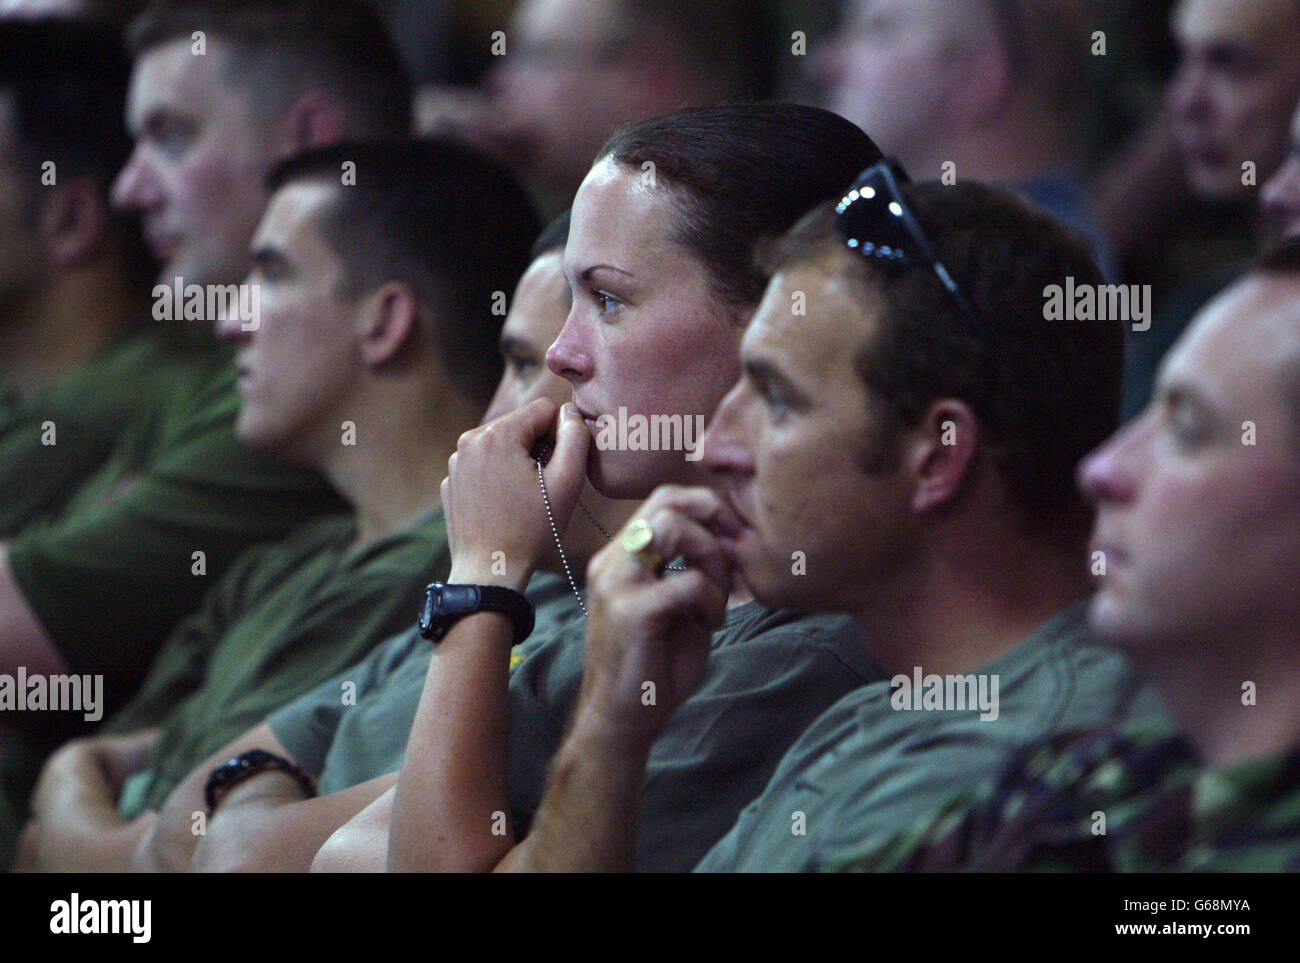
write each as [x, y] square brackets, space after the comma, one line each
[874, 220]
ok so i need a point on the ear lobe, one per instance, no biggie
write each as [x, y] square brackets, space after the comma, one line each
[941, 453]
[389, 318]
[73, 220]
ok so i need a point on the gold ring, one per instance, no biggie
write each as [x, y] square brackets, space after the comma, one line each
[638, 541]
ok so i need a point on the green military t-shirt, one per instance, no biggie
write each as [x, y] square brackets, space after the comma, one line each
[769, 675]
[51, 442]
[144, 538]
[282, 619]
[346, 745]
[873, 763]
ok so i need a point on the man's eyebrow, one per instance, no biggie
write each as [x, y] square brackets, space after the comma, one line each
[1175, 392]
[264, 254]
[765, 372]
[160, 116]
[1225, 53]
[511, 343]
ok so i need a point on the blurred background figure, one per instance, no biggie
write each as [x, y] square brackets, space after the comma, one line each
[82, 363]
[80, 357]
[569, 72]
[968, 90]
[1181, 203]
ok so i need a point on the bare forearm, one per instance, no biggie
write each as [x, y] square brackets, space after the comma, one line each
[267, 826]
[451, 809]
[587, 820]
[361, 845]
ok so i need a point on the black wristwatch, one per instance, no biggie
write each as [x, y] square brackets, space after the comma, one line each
[445, 605]
[232, 772]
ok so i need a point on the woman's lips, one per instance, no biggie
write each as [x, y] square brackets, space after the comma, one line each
[588, 417]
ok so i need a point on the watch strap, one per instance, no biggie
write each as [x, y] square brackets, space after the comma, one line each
[245, 766]
[512, 604]
[446, 604]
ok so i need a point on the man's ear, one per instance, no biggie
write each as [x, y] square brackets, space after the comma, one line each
[314, 120]
[73, 220]
[940, 453]
[389, 318]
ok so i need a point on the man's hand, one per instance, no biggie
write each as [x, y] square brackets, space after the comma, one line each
[99, 764]
[648, 635]
[75, 824]
[493, 504]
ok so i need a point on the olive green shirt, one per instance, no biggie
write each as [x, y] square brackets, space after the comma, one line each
[281, 620]
[145, 537]
[51, 442]
[875, 763]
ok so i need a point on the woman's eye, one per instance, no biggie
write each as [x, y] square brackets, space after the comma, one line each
[607, 302]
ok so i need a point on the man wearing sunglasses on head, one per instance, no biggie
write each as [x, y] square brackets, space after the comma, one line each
[911, 438]
[1198, 516]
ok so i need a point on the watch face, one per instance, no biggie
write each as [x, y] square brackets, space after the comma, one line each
[443, 605]
[426, 609]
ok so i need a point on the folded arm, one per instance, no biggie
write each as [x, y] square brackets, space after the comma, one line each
[75, 826]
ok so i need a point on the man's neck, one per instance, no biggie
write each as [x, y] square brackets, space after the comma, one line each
[1233, 701]
[966, 609]
[59, 329]
[391, 468]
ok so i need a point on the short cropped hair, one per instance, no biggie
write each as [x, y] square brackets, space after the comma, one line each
[442, 218]
[66, 81]
[1045, 392]
[281, 47]
[744, 173]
